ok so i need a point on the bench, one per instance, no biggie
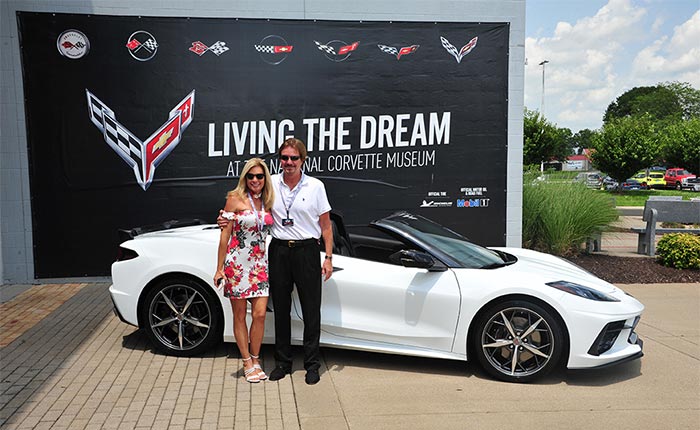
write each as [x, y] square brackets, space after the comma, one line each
[665, 209]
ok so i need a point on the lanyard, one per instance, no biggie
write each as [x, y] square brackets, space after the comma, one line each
[293, 195]
[259, 220]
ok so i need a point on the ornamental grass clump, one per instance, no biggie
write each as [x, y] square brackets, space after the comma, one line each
[679, 250]
[558, 217]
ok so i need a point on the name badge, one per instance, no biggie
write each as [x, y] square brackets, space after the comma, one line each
[287, 222]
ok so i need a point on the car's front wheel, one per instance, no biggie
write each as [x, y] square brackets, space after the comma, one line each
[518, 341]
[182, 317]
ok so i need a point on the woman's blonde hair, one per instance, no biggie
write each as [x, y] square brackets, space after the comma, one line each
[241, 190]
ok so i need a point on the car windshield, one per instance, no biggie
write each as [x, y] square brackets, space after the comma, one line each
[433, 235]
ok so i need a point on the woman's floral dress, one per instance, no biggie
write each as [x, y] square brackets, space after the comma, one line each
[245, 265]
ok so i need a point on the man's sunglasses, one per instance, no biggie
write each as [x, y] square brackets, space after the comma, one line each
[255, 175]
[288, 157]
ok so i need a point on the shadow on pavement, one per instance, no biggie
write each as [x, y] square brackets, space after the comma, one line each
[31, 361]
[335, 359]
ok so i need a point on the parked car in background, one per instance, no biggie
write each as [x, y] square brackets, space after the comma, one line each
[693, 184]
[591, 179]
[650, 178]
[609, 184]
[674, 177]
[631, 184]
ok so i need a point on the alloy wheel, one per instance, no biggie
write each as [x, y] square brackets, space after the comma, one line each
[517, 342]
[179, 317]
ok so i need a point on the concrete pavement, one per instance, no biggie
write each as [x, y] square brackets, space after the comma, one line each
[623, 242]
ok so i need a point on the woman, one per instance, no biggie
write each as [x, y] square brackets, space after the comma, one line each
[242, 261]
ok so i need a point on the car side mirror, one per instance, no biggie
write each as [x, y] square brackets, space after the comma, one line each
[412, 258]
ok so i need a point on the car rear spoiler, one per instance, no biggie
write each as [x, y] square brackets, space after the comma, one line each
[130, 233]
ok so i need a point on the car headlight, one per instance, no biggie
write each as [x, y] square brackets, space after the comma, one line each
[582, 291]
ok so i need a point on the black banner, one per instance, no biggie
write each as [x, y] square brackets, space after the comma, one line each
[139, 120]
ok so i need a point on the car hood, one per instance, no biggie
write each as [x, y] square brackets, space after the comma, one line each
[545, 268]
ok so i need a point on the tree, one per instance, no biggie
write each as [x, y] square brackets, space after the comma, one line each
[543, 140]
[625, 145]
[680, 144]
[582, 139]
[688, 98]
[660, 102]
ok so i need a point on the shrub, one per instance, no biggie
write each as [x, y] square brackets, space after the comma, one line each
[679, 250]
[558, 217]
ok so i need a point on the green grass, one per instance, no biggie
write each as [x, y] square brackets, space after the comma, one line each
[639, 197]
[561, 175]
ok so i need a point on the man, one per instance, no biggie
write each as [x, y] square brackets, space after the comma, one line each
[301, 214]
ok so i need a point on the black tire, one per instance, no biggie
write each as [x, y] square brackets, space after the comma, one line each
[518, 341]
[678, 186]
[182, 317]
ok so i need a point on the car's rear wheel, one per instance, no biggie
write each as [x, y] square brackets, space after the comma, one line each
[181, 317]
[678, 186]
[518, 341]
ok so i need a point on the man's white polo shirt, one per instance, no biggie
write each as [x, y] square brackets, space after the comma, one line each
[309, 204]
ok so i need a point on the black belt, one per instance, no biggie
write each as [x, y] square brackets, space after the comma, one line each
[296, 243]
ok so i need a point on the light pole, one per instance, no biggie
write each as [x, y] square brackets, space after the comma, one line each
[542, 105]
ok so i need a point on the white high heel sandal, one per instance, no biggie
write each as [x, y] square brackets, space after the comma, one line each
[261, 374]
[251, 375]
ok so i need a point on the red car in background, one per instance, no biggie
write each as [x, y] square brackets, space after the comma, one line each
[674, 177]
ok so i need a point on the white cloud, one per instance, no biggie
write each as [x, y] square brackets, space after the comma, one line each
[674, 59]
[597, 58]
[581, 78]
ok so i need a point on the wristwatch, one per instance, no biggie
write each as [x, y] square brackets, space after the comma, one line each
[328, 257]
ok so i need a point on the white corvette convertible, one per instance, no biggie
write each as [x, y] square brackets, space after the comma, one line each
[406, 285]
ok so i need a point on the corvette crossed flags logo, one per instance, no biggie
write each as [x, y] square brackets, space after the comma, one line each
[462, 52]
[142, 156]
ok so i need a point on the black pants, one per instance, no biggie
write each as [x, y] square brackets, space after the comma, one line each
[300, 266]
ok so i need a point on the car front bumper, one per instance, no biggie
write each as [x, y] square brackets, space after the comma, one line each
[599, 340]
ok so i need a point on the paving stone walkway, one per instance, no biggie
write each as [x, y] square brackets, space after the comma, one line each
[81, 368]
[25, 310]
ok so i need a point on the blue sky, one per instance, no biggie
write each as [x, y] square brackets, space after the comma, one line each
[598, 49]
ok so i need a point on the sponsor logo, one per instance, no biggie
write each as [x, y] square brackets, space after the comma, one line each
[142, 156]
[337, 50]
[473, 203]
[217, 48]
[142, 45]
[398, 52]
[434, 204]
[473, 191]
[73, 44]
[273, 49]
[462, 52]
[429, 201]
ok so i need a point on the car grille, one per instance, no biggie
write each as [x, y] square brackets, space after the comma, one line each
[607, 337]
